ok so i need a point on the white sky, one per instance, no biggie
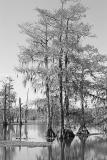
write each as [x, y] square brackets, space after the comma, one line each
[14, 12]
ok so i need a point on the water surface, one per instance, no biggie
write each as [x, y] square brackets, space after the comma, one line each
[81, 148]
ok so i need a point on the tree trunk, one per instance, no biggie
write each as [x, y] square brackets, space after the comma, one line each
[47, 82]
[106, 94]
[20, 110]
[82, 98]
[26, 110]
[9, 105]
[5, 107]
[82, 107]
[66, 75]
[48, 103]
[66, 84]
[61, 96]
[60, 75]
[26, 115]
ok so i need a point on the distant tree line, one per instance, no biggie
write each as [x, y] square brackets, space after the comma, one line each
[7, 100]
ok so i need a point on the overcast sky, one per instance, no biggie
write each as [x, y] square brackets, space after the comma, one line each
[14, 12]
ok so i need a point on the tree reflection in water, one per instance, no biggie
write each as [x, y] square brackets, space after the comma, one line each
[62, 156]
[66, 151]
[20, 135]
[79, 148]
[83, 139]
[4, 133]
[26, 132]
[60, 151]
[7, 153]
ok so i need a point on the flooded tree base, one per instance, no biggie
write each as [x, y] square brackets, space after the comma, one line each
[50, 135]
[83, 130]
[5, 124]
[68, 133]
[20, 123]
[67, 136]
[83, 137]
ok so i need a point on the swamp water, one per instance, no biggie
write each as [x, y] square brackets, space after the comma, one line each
[93, 147]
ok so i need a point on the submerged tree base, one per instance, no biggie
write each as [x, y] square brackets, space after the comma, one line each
[67, 135]
[5, 124]
[50, 135]
[83, 137]
[83, 130]
[20, 123]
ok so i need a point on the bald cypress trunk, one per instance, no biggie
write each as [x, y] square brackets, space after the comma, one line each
[20, 111]
[66, 75]
[66, 84]
[82, 98]
[61, 74]
[5, 106]
[61, 94]
[48, 104]
[47, 84]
